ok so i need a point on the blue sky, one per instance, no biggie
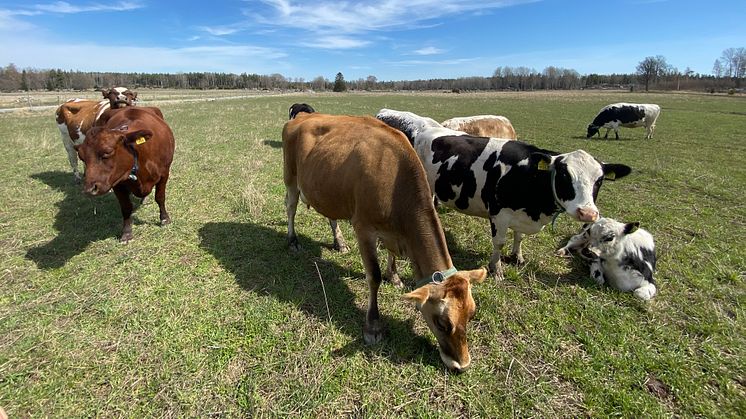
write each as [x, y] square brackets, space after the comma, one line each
[390, 39]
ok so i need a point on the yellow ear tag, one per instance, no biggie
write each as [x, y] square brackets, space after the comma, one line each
[543, 165]
[140, 140]
[610, 176]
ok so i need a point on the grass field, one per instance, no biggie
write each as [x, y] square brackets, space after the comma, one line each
[212, 316]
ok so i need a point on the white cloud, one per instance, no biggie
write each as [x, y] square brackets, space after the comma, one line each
[67, 8]
[428, 51]
[455, 61]
[336, 42]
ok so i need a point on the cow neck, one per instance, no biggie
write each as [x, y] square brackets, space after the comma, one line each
[429, 253]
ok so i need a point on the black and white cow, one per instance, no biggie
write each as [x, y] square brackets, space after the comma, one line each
[513, 184]
[629, 115]
[297, 108]
[622, 255]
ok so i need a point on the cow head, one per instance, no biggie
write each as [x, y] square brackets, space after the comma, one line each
[592, 130]
[297, 108]
[576, 179]
[107, 158]
[120, 97]
[605, 233]
[447, 308]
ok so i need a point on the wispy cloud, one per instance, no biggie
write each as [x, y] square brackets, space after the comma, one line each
[455, 61]
[67, 8]
[428, 51]
[336, 42]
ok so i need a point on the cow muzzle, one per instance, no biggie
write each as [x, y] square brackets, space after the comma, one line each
[588, 215]
[94, 189]
[453, 365]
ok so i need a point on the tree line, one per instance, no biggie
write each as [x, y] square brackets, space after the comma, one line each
[652, 72]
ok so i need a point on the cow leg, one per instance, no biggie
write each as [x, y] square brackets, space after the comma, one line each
[499, 233]
[339, 240]
[517, 255]
[160, 199]
[373, 329]
[596, 272]
[607, 133]
[391, 273]
[616, 132]
[575, 243]
[292, 194]
[72, 157]
[123, 196]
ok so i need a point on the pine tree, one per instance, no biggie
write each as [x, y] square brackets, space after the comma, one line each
[339, 83]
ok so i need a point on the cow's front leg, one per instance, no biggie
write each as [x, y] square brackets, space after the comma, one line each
[292, 193]
[499, 231]
[575, 243]
[339, 240]
[607, 133]
[517, 255]
[391, 273]
[373, 329]
[597, 272]
[123, 196]
[616, 132]
[160, 199]
[72, 157]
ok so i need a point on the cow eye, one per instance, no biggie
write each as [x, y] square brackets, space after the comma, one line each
[444, 325]
[107, 155]
[607, 238]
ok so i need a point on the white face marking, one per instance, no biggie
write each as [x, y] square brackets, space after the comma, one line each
[584, 171]
[523, 162]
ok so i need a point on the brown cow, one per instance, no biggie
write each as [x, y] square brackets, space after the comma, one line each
[483, 126]
[76, 116]
[358, 168]
[130, 153]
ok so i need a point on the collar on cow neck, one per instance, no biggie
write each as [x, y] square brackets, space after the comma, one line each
[557, 203]
[437, 277]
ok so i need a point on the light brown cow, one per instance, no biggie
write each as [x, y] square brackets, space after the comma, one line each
[360, 169]
[483, 126]
[131, 153]
[76, 116]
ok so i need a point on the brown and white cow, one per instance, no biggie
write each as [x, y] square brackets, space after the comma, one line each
[494, 126]
[130, 153]
[76, 116]
[360, 169]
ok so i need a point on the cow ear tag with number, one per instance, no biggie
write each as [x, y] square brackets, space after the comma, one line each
[543, 165]
[140, 140]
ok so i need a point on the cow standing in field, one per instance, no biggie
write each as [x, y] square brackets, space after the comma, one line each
[76, 116]
[513, 184]
[622, 255]
[494, 126]
[629, 115]
[131, 152]
[360, 169]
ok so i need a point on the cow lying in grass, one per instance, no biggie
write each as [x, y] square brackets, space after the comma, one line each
[76, 116]
[513, 184]
[359, 169]
[629, 115]
[494, 126]
[622, 255]
[129, 150]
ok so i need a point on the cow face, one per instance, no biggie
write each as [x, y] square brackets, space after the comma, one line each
[577, 177]
[107, 159]
[447, 308]
[605, 233]
[119, 97]
[592, 130]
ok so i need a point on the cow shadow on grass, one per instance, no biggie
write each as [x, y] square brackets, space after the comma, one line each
[273, 143]
[80, 220]
[259, 259]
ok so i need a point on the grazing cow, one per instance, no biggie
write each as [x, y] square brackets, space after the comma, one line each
[358, 168]
[513, 184]
[630, 115]
[483, 126]
[76, 116]
[297, 108]
[622, 255]
[130, 153]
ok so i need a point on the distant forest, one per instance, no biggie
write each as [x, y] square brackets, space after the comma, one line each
[652, 72]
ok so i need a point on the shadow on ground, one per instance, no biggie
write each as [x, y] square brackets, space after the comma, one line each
[260, 261]
[273, 143]
[80, 220]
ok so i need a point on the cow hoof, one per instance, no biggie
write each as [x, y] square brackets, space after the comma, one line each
[341, 248]
[396, 281]
[293, 244]
[515, 259]
[373, 334]
[563, 253]
[125, 239]
[165, 221]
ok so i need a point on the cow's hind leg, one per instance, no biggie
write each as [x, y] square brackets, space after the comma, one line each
[391, 273]
[123, 196]
[160, 199]
[339, 240]
[72, 156]
[292, 194]
[517, 256]
[597, 273]
[373, 329]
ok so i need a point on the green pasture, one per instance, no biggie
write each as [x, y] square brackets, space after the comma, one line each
[211, 316]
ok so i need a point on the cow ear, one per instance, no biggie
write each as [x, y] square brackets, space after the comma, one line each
[476, 276]
[418, 296]
[104, 92]
[138, 137]
[613, 171]
[630, 228]
[134, 95]
[540, 161]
